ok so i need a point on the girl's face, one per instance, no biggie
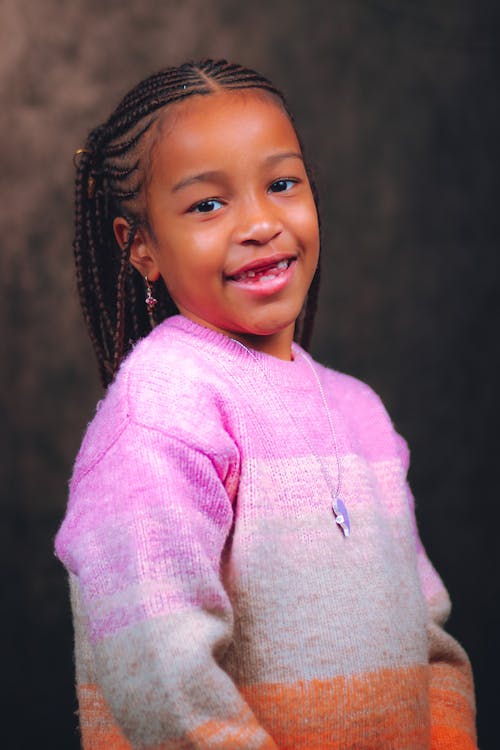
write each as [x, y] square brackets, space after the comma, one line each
[234, 229]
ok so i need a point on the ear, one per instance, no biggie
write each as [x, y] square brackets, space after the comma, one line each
[142, 254]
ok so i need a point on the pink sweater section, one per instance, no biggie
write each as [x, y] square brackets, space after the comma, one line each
[210, 583]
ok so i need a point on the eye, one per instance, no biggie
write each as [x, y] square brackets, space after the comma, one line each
[206, 207]
[282, 186]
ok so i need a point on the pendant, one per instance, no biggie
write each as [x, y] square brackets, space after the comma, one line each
[342, 516]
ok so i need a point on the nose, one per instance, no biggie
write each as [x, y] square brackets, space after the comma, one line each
[258, 222]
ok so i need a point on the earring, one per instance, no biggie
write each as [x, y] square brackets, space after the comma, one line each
[151, 301]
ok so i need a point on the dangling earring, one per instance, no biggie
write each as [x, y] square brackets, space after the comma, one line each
[151, 301]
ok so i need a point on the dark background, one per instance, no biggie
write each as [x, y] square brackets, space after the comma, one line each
[398, 104]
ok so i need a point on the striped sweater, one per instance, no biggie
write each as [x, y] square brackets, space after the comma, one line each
[216, 602]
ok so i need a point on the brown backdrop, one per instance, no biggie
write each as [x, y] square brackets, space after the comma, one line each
[397, 101]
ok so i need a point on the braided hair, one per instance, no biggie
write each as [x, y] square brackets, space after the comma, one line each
[112, 170]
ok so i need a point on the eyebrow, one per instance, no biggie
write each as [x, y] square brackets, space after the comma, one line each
[215, 175]
[274, 158]
[211, 176]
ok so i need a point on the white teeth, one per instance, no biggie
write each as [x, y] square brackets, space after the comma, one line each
[282, 264]
[268, 277]
[251, 274]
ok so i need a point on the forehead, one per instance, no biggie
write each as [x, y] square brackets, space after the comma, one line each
[224, 124]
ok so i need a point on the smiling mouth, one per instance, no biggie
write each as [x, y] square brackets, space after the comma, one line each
[266, 273]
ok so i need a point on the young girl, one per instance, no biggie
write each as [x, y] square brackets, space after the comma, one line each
[244, 563]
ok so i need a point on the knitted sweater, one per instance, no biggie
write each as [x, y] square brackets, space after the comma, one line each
[217, 603]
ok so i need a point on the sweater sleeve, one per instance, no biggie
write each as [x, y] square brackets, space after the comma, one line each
[143, 540]
[451, 689]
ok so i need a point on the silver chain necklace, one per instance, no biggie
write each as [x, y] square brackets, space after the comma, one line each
[338, 506]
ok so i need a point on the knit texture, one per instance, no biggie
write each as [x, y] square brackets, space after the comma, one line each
[217, 604]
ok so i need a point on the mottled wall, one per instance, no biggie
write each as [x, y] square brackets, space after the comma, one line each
[398, 104]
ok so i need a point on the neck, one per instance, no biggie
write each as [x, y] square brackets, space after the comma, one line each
[278, 344]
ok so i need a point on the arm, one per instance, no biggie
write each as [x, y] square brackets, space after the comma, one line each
[451, 688]
[451, 685]
[143, 539]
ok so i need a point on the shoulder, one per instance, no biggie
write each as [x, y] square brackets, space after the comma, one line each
[165, 385]
[171, 372]
[165, 372]
[347, 390]
[364, 414]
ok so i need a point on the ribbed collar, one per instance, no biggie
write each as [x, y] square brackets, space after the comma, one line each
[292, 374]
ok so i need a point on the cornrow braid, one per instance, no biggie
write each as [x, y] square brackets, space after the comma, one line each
[112, 170]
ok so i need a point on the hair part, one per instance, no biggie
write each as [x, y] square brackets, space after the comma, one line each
[112, 175]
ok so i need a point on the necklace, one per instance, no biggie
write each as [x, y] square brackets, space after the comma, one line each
[338, 506]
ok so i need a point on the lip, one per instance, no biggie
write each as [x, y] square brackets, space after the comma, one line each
[260, 264]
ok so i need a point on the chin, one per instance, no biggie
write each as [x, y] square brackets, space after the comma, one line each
[265, 328]
[271, 327]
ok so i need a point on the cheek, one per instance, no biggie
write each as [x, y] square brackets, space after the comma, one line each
[308, 229]
[201, 250]
[305, 218]
[192, 275]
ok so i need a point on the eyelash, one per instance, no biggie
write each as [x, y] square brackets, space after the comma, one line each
[197, 207]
